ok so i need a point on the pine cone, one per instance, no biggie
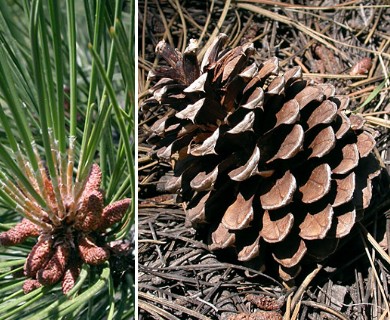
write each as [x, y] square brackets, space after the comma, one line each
[55, 268]
[20, 232]
[70, 276]
[39, 256]
[266, 161]
[90, 253]
[30, 285]
[67, 231]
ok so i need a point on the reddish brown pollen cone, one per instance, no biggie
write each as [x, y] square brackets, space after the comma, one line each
[30, 285]
[71, 274]
[55, 268]
[113, 213]
[90, 253]
[19, 233]
[38, 257]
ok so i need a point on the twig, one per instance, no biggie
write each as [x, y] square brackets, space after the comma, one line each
[374, 243]
[158, 312]
[375, 272]
[298, 294]
[216, 30]
[325, 308]
[312, 33]
[172, 305]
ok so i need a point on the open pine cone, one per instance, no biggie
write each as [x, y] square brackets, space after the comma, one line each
[268, 162]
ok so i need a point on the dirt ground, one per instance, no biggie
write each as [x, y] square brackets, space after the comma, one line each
[179, 278]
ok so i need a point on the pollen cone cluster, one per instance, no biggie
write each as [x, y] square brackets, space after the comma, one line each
[67, 234]
[268, 163]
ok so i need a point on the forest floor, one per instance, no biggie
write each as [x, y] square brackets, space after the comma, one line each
[178, 277]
